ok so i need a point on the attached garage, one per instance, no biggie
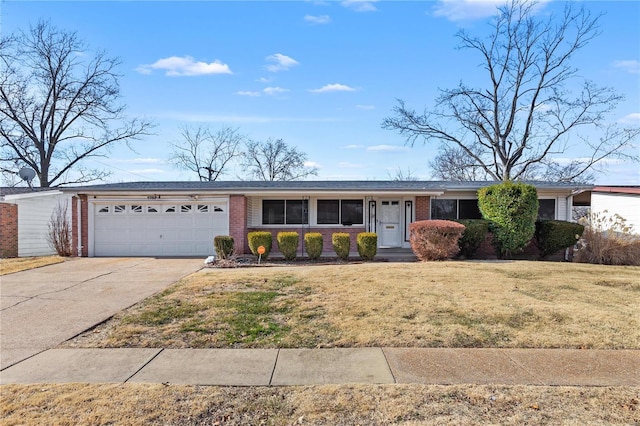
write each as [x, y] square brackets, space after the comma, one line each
[154, 228]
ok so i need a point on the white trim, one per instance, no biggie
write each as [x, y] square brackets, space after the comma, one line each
[24, 195]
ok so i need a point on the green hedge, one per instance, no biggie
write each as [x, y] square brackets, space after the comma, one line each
[260, 238]
[313, 243]
[367, 245]
[341, 244]
[288, 244]
[435, 239]
[554, 235]
[475, 231]
[223, 245]
[512, 209]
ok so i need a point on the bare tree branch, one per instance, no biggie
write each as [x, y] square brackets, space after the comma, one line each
[275, 160]
[205, 152]
[59, 106]
[526, 114]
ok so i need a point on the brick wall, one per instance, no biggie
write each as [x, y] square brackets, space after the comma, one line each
[8, 230]
[327, 246]
[74, 226]
[423, 211]
[84, 225]
[238, 222]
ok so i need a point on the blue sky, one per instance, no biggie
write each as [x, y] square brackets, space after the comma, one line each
[320, 75]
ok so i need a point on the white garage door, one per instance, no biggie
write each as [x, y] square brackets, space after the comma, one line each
[158, 229]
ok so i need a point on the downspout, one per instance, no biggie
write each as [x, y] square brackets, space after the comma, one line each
[569, 213]
[79, 225]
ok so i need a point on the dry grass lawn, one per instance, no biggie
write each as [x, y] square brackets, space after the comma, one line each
[9, 266]
[511, 304]
[132, 404]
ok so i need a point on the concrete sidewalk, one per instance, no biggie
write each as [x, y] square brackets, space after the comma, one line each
[279, 367]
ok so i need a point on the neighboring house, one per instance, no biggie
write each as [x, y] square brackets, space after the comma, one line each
[182, 218]
[621, 200]
[24, 218]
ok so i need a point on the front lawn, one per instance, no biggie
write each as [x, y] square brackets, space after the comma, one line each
[506, 304]
[9, 266]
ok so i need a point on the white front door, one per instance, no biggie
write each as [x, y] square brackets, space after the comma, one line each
[389, 231]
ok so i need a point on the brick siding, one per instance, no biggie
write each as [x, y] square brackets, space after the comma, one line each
[423, 210]
[8, 230]
[238, 222]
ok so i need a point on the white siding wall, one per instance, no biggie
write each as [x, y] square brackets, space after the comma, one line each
[626, 205]
[34, 214]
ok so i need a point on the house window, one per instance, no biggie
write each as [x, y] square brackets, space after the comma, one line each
[136, 209]
[547, 209]
[217, 209]
[119, 209]
[284, 212]
[455, 209]
[203, 208]
[185, 208]
[346, 212]
[152, 209]
[104, 209]
[170, 209]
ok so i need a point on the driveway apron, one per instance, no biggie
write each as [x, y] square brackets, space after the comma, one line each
[43, 307]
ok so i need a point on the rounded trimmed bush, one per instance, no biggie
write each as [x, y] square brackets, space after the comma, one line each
[475, 231]
[435, 239]
[367, 243]
[313, 243]
[555, 235]
[512, 209]
[223, 245]
[260, 238]
[341, 244]
[288, 244]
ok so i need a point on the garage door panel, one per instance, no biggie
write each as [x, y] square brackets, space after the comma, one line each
[159, 230]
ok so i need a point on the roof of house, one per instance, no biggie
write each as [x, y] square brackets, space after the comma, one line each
[309, 185]
[634, 190]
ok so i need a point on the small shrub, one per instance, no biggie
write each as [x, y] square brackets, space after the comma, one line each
[59, 231]
[367, 243]
[606, 240]
[554, 235]
[435, 239]
[260, 238]
[512, 209]
[224, 246]
[475, 231]
[313, 243]
[288, 244]
[341, 244]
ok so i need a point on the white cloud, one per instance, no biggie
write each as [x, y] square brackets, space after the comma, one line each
[140, 161]
[320, 19]
[185, 66]
[280, 62]
[352, 146]
[264, 80]
[633, 118]
[347, 165]
[272, 91]
[466, 10]
[247, 93]
[335, 87]
[311, 164]
[386, 148]
[146, 171]
[631, 66]
[360, 5]
[366, 107]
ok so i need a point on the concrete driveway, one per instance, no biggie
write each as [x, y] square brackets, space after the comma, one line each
[43, 307]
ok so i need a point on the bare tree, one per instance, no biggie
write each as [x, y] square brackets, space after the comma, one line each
[526, 114]
[205, 152]
[401, 175]
[455, 164]
[59, 106]
[275, 160]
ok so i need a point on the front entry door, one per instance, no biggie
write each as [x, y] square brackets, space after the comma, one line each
[389, 230]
